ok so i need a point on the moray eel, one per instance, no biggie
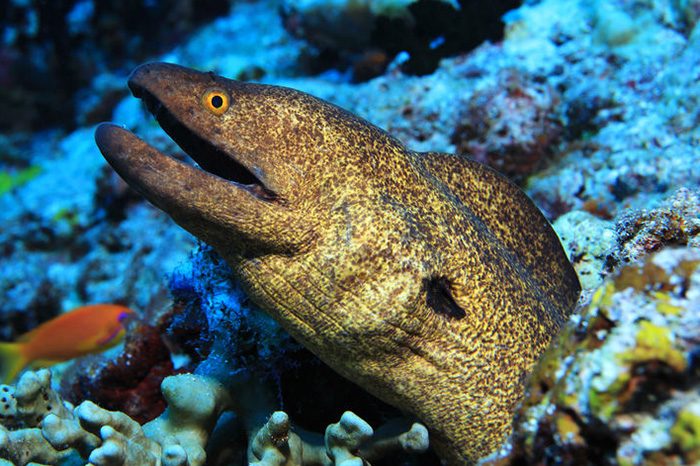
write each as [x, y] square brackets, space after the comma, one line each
[428, 279]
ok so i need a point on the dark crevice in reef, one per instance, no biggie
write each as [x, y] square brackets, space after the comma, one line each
[599, 446]
[438, 30]
[426, 30]
[651, 384]
[312, 406]
[55, 48]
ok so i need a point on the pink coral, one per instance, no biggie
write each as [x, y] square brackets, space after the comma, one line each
[510, 125]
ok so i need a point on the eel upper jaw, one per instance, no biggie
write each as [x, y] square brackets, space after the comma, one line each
[208, 156]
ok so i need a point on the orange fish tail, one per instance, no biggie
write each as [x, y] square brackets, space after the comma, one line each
[12, 361]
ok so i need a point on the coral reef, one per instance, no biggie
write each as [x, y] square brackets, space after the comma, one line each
[24, 408]
[511, 126]
[42, 434]
[234, 46]
[620, 386]
[597, 246]
[129, 382]
[72, 234]
[38, 427]
[633, 117]
[589, 242]
[9, 181]
[600, 98]
[346, 443]
[675, 222]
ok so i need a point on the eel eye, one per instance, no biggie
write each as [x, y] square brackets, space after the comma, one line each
[216, 101]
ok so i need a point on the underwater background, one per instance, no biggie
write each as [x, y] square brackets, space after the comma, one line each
[591, 107]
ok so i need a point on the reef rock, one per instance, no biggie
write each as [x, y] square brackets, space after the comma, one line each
[621, 385]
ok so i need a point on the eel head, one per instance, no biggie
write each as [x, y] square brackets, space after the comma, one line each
[254, 182]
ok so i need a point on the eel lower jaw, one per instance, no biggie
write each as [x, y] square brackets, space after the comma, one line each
[174, 186]
[236, 219]
[208, 156]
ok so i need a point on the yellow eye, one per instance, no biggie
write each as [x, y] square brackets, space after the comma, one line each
[216, 101]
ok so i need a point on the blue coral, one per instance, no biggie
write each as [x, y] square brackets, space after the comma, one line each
[242, 337]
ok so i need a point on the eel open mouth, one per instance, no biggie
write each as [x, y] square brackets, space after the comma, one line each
[208, 156]
[225, 201]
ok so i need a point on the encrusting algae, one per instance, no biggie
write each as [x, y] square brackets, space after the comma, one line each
[685, 432]
[619, 385]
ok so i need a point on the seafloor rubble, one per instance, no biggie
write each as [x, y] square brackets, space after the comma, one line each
[593, 107]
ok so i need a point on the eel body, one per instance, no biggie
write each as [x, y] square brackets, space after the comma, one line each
[426, 278]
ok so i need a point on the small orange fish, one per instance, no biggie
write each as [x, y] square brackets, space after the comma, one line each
[84, 330]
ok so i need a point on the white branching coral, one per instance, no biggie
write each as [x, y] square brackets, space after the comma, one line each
[43, 429]
[349, 442]
[37, 426]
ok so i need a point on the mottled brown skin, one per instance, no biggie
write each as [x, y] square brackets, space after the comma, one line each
[428, 279]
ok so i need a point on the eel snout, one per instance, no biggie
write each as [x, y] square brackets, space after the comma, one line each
[178, 110]
[217, 210]
[170, 184]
